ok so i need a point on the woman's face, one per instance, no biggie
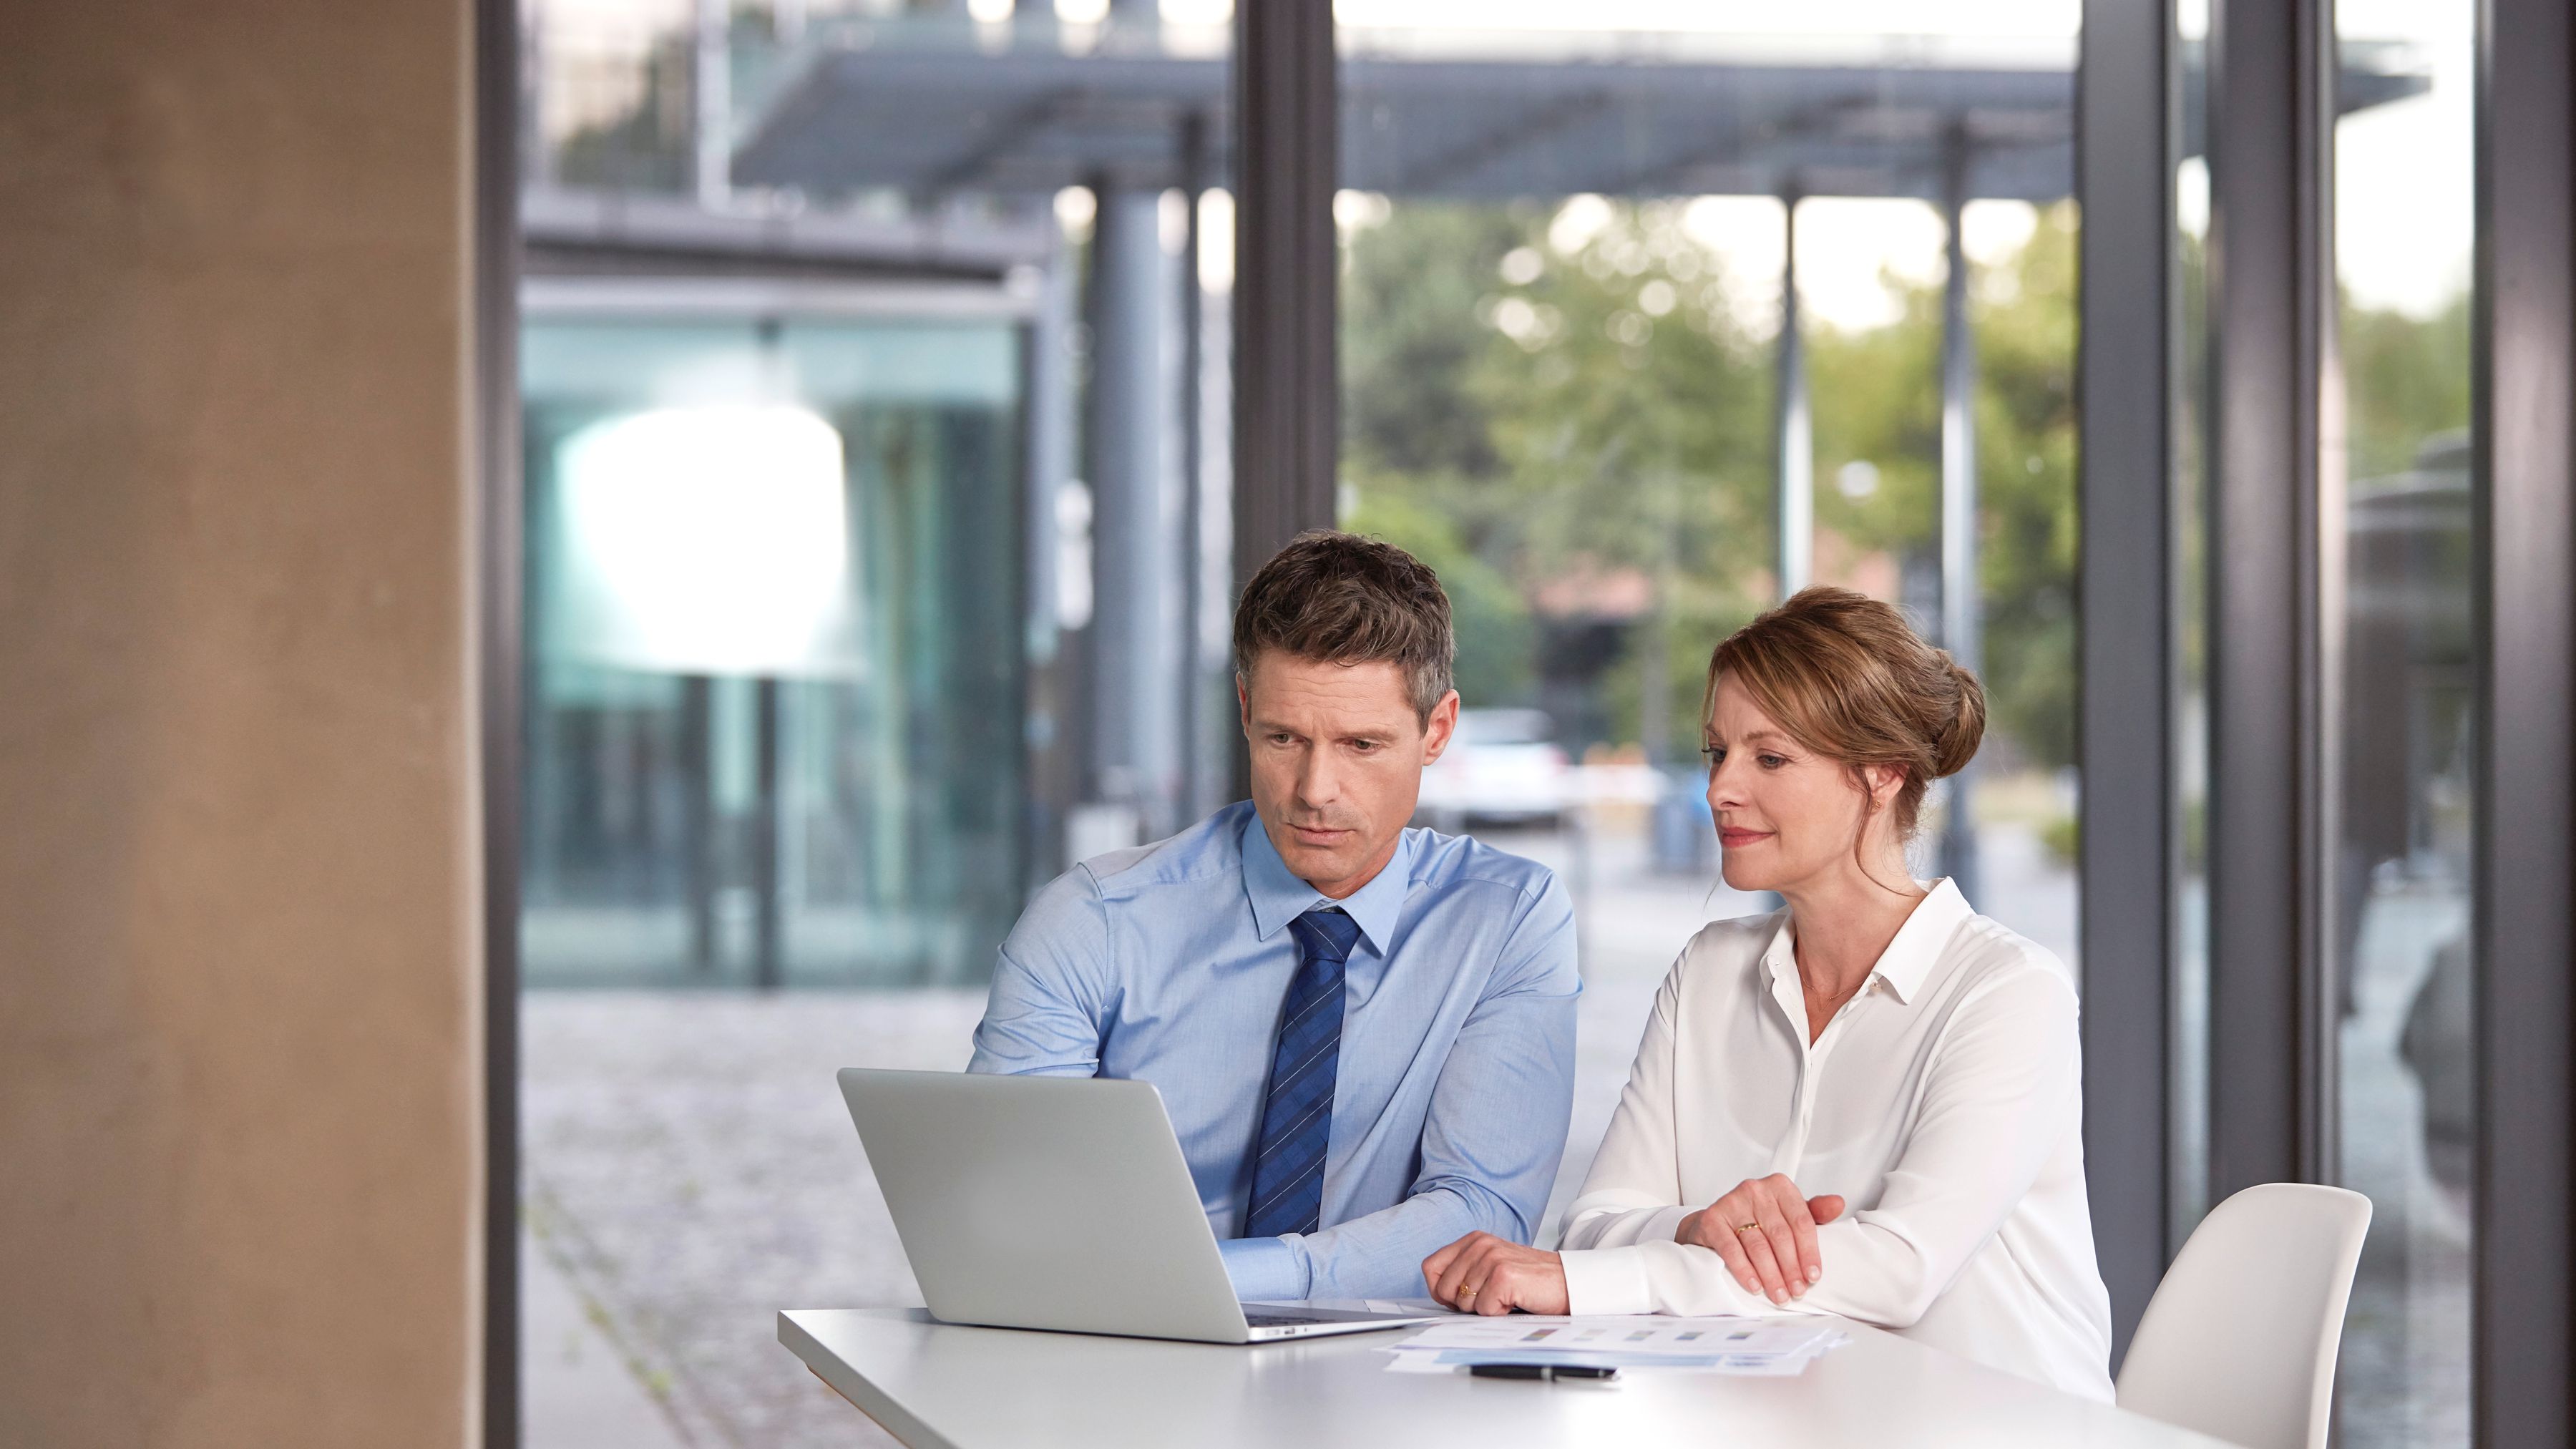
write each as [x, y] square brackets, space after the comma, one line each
[1785, 814]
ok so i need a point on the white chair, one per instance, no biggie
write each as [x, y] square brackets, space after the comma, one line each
[2239, 1341]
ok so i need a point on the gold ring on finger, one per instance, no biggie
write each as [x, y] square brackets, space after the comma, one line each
[1748, 1227]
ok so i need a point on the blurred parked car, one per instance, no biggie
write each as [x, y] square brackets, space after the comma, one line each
[1501, 768]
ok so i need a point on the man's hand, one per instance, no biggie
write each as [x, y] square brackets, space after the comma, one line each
[1481, 1273]
[1766, 1233]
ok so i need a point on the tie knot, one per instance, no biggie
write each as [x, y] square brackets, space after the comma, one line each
[1326, 932]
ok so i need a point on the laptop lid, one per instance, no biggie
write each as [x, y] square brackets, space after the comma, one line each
[1044, 1202]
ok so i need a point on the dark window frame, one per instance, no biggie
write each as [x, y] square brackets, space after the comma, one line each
[500, 660]
[2271, 273]
[2129, 857]
[1287, 393]
[2523, 903]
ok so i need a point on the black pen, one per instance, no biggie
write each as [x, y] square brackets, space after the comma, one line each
[1540, 1371]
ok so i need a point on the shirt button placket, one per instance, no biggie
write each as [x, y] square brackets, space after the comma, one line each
[1794, 1147]
[1811, 1065]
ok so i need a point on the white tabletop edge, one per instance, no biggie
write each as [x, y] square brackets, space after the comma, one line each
[850, 1384]
[2022, 1414]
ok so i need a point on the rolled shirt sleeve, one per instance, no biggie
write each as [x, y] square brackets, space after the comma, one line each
[1267, 1270]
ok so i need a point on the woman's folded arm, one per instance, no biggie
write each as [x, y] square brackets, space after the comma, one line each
[1994, 1107]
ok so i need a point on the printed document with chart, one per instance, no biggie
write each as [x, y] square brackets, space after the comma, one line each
[1761, 1346]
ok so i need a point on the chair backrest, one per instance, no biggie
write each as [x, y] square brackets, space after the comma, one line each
[2239, 1341]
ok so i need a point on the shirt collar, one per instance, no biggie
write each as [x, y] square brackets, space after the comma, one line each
[1278, 896]
[1908, 959]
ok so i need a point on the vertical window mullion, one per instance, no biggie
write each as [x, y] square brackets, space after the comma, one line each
[2523, 907]
[2125, 717]
[2267, 1072]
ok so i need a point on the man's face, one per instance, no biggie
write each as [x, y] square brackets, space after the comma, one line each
[1337, 757]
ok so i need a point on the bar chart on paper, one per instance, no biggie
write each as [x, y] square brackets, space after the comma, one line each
[1765, 1347]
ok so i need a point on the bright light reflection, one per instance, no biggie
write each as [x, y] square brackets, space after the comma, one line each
[711, 540]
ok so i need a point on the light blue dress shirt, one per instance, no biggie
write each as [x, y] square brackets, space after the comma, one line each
[1170, 962]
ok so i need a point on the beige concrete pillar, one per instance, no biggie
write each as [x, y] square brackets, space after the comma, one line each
[239, 1000]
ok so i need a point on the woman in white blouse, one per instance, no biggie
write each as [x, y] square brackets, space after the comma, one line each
[1868, 1103]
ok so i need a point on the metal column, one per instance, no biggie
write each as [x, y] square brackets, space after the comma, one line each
[2523, 1324]
[500, 661]
[698, 822]
[2270, 1055]
[1793, 430]
[1192, 301]
[2130, 853]
[1287, 401]
[1961, 624]
[712, 84]
[1135, 659]
[1054, 723]
[768, 819]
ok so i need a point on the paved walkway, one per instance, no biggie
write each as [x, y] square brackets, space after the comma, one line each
[582, 1388]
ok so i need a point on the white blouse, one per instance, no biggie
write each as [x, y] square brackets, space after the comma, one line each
[1943, 1103]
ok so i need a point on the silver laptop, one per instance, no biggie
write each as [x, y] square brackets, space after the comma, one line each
[1063, 1203]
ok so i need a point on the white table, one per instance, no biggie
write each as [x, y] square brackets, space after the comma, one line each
[937, 1386]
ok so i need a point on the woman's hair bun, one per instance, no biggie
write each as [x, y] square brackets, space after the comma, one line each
[1955, 740]
[1848, 677]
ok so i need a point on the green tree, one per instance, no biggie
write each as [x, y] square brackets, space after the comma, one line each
[2406, 379]
[2026, 461]
[1877, 400]
[1602, 411]
[1409, 296]
[1417, 449]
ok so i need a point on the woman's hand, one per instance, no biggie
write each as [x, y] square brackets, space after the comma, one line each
[1481, 1273]
[1766, 1233]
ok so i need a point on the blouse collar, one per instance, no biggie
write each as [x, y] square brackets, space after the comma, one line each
[1908, 960]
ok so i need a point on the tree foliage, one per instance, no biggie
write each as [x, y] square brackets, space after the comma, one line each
[1520, 414]
[1602, 409]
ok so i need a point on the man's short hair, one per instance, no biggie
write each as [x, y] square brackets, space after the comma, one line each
[1338, 598]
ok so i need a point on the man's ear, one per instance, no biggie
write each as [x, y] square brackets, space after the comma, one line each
[1242, 705]
[1442, 725]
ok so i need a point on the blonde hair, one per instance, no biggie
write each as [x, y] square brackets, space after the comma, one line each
[1845, 676]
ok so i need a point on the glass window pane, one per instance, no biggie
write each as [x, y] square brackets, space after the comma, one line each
[769, 564]
[1564, 385]
[872, 392]
[2188, 1084]
[2397, 454]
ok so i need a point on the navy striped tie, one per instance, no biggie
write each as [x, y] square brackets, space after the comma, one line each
[1297, 1120]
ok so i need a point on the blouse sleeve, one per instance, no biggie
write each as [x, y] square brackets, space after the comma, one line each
[2002, 1094]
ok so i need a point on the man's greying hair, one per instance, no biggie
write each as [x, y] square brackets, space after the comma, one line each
[1338, 598]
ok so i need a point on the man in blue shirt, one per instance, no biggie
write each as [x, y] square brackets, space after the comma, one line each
[1364, 1033]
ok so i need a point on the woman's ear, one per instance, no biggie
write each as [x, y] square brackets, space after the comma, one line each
[1885, 781]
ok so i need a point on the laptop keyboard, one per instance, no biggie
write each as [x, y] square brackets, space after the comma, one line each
[1281, 1320]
